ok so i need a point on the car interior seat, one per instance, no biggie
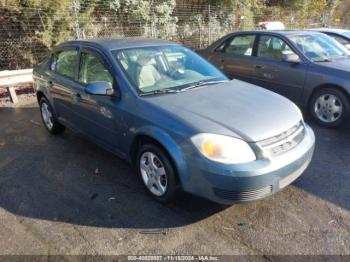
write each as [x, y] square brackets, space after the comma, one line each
[148, 74]
[276, 49]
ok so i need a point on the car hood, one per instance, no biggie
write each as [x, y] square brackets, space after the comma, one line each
[243, 109]
[341, 64]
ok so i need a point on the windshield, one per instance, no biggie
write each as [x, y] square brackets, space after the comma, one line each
[346, 33]
[159, 68]
[319, 47]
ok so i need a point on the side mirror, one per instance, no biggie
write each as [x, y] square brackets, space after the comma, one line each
[99, 88]
[291, 58]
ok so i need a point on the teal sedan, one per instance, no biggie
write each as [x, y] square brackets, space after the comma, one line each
[174, 117]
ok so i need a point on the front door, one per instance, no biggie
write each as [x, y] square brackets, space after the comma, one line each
[275, 74]
[100, 116]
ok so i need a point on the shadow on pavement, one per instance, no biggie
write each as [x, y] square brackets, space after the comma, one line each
[328, 175]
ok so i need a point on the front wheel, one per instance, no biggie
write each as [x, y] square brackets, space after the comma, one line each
[329, 107]
[157, 173]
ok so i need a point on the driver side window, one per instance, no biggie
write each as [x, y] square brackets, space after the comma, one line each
[273, 47]
[92, 69]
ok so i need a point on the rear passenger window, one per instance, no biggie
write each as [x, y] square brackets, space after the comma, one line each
[221, 47]
[241, 45]
[65, 63]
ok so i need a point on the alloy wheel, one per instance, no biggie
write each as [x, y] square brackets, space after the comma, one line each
[47, 115]
[153, 173]
[328, 108]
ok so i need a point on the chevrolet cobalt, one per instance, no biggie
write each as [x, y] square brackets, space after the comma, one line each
[175, 117]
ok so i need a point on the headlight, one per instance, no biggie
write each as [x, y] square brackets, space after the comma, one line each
[224, 149]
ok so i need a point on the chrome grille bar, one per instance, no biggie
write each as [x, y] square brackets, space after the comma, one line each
[283, 142]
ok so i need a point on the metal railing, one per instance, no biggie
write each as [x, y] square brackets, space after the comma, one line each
[10, 78]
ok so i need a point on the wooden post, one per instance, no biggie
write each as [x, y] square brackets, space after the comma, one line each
[13, 95]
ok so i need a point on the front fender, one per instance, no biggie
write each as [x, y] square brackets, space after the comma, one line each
[173, 147]
[319, 77]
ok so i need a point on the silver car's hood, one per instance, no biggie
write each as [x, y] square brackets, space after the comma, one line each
[246, 110]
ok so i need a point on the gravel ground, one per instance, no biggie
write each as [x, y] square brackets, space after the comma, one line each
[64, 195]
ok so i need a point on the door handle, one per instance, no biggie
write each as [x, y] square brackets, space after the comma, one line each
[259, 67]
[78, 97]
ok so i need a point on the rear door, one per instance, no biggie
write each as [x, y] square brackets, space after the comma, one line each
[234, 57]
[63, 68]
[275, 74]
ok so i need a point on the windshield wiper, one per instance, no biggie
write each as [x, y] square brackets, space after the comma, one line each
[195, 85]
[159, 91]
[202, 83]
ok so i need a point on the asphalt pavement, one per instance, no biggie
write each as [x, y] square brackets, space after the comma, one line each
[65, 195]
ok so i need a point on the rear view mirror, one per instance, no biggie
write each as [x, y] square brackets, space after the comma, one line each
[99, 88]
[291, 58]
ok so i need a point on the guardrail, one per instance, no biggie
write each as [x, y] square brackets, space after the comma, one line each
[9, 78]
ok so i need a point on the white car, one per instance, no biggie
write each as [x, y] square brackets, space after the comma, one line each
[271, 25]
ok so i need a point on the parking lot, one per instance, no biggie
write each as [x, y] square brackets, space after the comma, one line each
[65, 195]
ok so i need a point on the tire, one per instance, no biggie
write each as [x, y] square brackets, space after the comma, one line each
[329, 107]
[49, 118]
[164, 184]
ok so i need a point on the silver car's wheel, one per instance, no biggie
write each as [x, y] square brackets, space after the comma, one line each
[153, 173]
[328, 108]
[47, 115]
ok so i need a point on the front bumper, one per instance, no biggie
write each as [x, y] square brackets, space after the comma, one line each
[229, 184]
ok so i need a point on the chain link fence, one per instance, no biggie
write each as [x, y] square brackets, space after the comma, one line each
[27, 34]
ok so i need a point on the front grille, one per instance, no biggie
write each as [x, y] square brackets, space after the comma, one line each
[243, 195]
[283, 142]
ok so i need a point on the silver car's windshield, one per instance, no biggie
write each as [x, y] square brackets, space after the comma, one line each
[173, 67]
[319, 47]
[346, 33]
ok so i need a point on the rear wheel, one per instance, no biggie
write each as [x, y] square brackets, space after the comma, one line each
[156, 172]
[329, 107]
[48, 117]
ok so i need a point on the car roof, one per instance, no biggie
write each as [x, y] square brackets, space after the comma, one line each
[278, 32]
[285, 33]
[120, 43]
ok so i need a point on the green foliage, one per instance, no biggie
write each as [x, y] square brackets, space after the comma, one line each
[35, 26]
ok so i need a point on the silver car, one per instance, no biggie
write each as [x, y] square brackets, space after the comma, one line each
[341, 35]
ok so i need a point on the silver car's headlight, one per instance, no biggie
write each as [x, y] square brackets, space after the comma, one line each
[223, 149]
